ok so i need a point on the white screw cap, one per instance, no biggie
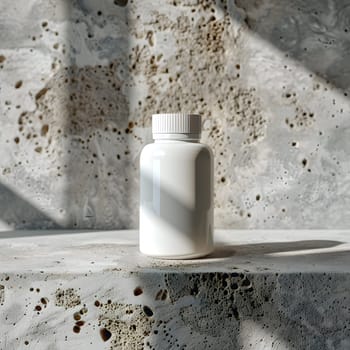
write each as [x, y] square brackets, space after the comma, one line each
[176, 123]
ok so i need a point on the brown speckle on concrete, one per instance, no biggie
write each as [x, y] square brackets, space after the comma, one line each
[161, 295]
[149, 37]
[41, 93]
[44, 301]
[44, 130]
[148, 311]
[2, 294]
[121, 2]
[105, 334]
[83, 311]
[138, 291]
[18, 84]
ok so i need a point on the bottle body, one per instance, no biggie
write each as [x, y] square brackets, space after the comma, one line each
[176, 199]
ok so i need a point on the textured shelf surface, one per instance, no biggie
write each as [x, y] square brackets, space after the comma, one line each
[256, 251]
[94, 290]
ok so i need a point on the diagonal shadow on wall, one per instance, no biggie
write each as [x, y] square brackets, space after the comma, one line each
[17, 211]
[314, 33]
[101, 169]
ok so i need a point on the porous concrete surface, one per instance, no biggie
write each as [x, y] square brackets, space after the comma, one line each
[93, 290]
[81, 78]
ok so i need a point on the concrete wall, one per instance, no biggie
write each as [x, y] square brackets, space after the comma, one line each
[80, 79]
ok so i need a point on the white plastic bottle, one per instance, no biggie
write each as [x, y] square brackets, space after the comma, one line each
[176, 194]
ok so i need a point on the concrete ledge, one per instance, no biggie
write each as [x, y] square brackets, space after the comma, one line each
[93, 290]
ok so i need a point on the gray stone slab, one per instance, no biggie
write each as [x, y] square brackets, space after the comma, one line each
[94, 290]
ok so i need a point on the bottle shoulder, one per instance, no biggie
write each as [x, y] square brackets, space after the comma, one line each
[180, 150]
[196, 146]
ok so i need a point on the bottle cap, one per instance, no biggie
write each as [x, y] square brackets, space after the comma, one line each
[176, 125]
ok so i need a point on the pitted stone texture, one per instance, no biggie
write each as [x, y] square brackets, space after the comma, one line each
[2, 294]
[80, 80]
[67, 298]
[258, 290]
